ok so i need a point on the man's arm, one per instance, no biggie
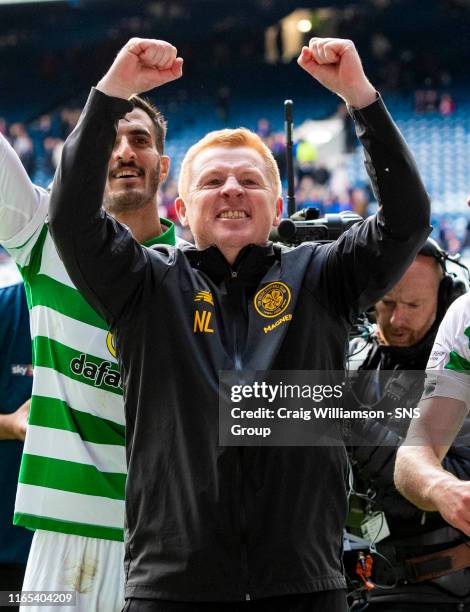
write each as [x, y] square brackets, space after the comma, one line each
[13, 426]
[23, 207]
[372, 256]
[375, 460]
[374, 447]
[102, 258]
[419, 475]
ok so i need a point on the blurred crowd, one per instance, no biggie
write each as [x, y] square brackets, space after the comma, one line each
[317, 185]
[39, 146]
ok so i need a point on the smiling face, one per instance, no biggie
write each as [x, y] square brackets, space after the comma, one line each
[406, 313]
[230, 200]
[135, 166]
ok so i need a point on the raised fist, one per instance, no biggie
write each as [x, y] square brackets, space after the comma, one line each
[335, 63]
[141, 65]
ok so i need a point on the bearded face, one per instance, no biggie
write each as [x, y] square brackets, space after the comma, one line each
[130, 187]
[134, 166]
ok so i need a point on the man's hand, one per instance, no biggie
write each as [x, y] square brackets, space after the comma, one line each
[13, 426]
[141, 65]
[335, 63]
[451, 498]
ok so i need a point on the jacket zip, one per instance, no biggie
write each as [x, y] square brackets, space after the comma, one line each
[238, 363]
[243, 526]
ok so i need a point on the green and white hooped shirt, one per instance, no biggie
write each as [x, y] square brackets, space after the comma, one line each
[73, 471]
[448, 369]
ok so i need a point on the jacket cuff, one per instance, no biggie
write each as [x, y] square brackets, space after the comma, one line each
[107, 105]
[369, 114]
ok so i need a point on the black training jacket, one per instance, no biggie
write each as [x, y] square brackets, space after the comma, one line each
[205, 522]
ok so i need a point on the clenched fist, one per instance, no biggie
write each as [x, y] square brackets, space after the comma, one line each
[141, 65]
[335, 63]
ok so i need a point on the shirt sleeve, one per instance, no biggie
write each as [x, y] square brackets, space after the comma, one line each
[23, 206]
[448, 368]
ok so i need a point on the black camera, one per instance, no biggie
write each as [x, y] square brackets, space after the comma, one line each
[307, 225]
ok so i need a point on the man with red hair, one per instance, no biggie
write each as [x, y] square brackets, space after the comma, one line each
[211, 527]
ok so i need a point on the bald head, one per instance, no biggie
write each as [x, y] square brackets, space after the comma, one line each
[407, 312]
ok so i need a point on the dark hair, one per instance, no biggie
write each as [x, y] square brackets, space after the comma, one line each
[157, 118]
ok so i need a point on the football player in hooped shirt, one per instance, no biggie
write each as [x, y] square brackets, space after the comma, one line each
[73, 468]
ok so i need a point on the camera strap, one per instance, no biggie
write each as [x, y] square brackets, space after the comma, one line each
[427, 567]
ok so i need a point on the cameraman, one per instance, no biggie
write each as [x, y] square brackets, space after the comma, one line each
[407, 319]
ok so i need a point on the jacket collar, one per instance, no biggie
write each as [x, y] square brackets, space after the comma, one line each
[250, 266]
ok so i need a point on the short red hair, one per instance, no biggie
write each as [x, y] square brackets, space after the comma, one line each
[230, 138]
